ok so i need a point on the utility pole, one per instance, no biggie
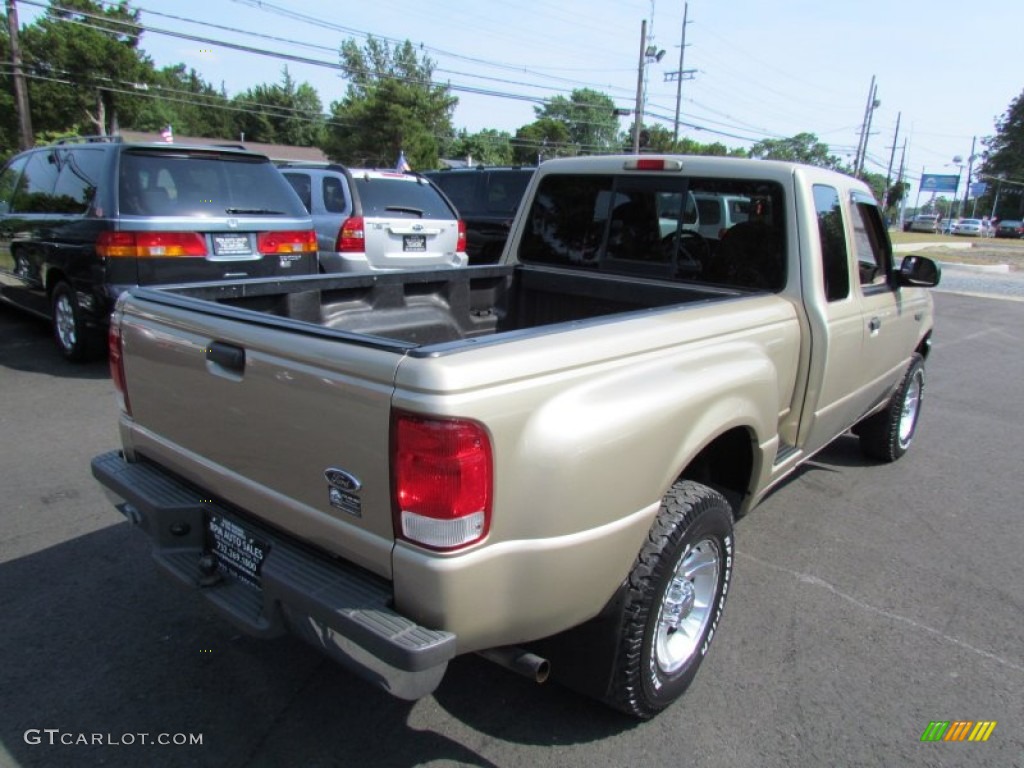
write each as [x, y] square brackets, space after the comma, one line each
[862, 146]
[970, 168]
[25, 138]
[892, 156]
[681, 74]
[638, 113]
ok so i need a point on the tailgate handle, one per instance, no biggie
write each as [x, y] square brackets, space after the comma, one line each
[227, 356]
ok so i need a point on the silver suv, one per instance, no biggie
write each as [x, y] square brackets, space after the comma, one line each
[378, 220]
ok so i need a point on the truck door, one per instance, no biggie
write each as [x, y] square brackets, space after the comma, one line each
[863, 330]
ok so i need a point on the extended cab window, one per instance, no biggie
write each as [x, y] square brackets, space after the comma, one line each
[870, 242]
[835, 261]
[649, 224]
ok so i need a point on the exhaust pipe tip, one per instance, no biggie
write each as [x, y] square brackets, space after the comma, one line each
[520, 661]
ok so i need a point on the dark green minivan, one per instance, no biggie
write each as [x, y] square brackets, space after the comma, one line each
[81, 222]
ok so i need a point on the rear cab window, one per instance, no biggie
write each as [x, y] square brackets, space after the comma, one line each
[648, 225]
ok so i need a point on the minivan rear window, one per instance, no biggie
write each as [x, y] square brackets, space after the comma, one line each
[400, 197]
[196, 183]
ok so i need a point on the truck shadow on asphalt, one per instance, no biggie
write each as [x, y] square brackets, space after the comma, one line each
[100, 646]
[28, 346]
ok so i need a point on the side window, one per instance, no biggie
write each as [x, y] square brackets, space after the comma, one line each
[835, 261]
[870, 244]
[303, 187]
[334, 195]
[35, 190]
[9, 182]
[78, 179]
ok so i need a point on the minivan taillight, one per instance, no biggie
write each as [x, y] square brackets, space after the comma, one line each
[351, 236]
[441, 480]
[150, 244]
[300, 241]
[115, 349]
[460, 246]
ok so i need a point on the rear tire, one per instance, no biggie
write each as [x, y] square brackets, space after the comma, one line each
[887, 435]
[74, 340]
[674, 599]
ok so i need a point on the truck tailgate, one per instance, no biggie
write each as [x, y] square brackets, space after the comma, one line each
[263, 428]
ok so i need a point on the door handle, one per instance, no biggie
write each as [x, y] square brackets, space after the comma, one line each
[227, 356]
[875, 324]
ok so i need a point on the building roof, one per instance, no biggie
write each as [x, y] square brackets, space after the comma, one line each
[273, 151]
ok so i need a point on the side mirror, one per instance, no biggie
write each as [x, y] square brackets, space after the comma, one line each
[919, 271]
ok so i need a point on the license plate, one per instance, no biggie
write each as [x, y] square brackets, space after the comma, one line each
[414, 242]
[239, 552]
[232, 245]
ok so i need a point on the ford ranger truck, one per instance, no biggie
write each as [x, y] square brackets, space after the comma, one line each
[539, 460]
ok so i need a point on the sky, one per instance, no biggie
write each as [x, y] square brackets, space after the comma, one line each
[761, 69]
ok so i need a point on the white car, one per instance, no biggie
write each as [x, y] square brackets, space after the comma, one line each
[971, 227]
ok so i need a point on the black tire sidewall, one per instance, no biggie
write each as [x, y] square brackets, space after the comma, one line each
[916, 369]
[713, 520]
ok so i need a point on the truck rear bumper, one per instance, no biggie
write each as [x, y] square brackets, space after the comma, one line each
[339, 608]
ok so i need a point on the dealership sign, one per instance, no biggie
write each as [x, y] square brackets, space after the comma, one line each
[934, 182]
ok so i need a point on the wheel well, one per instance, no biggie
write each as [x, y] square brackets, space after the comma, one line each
[53, 277]
[725, 464]
[925, 346]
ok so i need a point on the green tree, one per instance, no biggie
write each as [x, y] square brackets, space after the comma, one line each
[86, 66]
[541, 140]
[8, 116]
[486, 147]
[1003, 167]
[589, 117]
[391, 105]
[802, 148]
[179, 97]
[283, 113]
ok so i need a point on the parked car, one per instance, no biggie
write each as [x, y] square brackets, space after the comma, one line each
[486, 198]
[1010, 228]
[718, 213]
[378, 220]
[948, 226]
[925, 222]
[82, 221]
[971, 228]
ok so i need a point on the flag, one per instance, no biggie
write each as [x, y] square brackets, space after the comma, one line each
[402, 164]
[167, 134]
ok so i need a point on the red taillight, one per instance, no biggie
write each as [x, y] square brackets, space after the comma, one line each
[351, 237]
[150, 244]
[115, 349]
[441, 480]
[300, 241]
[460, 246]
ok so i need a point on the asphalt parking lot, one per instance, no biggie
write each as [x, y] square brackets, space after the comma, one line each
[867, 602]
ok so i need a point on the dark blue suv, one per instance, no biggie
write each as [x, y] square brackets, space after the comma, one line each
[81, 222]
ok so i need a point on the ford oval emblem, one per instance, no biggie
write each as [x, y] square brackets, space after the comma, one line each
[342, 480]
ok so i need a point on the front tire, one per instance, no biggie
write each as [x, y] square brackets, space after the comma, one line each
[887, 435]
[675, 595]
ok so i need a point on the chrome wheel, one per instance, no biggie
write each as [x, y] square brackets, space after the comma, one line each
[911, 408]
[687, 605]
[64, 320]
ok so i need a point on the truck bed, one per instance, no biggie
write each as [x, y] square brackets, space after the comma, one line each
[410, 310]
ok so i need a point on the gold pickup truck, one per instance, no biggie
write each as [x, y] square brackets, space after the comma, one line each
[539, 460]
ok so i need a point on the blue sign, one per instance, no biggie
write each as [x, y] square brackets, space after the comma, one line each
[934, 182]
[978, 189]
